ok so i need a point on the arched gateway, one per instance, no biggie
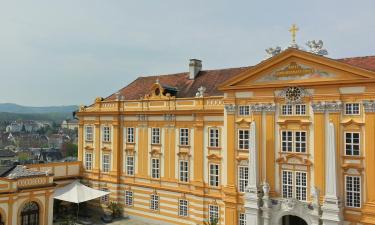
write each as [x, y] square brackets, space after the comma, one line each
[292, 220]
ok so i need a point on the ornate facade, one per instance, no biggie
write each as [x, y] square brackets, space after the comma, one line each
[290, 140]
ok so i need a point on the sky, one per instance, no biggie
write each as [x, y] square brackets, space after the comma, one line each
[72, 51]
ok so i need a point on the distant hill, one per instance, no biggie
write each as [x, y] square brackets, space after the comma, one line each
[10, 112]
[14, 108]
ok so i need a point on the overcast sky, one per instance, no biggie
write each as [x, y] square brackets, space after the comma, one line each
[71, 51]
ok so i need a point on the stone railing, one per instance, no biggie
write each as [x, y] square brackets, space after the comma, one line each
[198, 103]
[61, 170]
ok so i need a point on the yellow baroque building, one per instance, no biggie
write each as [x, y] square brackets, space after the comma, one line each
[290, 140]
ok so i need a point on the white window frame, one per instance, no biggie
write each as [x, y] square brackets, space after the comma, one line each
[129, 198]
[287, 183]
[184, 136]
[130, 165]
[155, 168]
[300, 141]
[154, 202]
[352, 108]
[184, 171]
[106, 137]
[104, 198]
[301, 185]
[244, 110]
[155, 135]
[213, 213]
[294, 184]
[243, 142]
[106, 163]
[286, 144]
[183, 207]
[130, 135]
[243, 178]
[88, 160]
[89, 136]
[353, 198]
[241, 219]
[214, 137]
[300, 109]
[352, 145]
[214, 174]
[287, 109]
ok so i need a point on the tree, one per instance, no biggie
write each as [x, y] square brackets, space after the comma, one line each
[70, 149]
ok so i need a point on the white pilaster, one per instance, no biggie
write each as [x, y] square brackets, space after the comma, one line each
[252, 198]
[332, 212]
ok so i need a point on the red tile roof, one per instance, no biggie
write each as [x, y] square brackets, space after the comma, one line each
[210, 79]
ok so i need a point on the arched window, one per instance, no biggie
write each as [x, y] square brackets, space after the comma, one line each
[30, 214]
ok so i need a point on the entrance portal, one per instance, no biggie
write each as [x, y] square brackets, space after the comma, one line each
[293, 220]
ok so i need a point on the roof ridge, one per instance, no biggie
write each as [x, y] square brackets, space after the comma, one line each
[357, 57]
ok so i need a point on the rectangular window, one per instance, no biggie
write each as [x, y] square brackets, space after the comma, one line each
[243, 139]
[352, 143]
[300, 141]
[106, 164]
[352, 109]
[242, 219]
[353, 191]
[128, 198]
[213, 211]
[286, 109]
[105, 198]
[88, 161]
[287, 184]
[89, 133]
[184, 171]
[154, 202]
[130, 135]
[301, 186]
[214, 137]
[243, 176]
[244, 110]
[155, 168]
[130, 165]
[106, 134]
[287, 141]
[183, 207]
[214, 175]
[300, 109]
[184, 136]
[155, 138]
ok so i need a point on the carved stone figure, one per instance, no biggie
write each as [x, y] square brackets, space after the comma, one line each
[316, 47]
[273, 51]
[200, 92]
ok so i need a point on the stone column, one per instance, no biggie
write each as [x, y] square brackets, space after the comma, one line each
[332, 212]
[251, 196]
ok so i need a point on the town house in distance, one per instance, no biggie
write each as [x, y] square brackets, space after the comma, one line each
[290, 140]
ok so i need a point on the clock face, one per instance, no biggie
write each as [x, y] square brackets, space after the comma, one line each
[293, 94]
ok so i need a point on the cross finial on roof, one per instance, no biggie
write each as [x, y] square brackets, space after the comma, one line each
[293, 30]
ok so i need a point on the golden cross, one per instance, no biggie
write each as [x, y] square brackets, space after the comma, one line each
[293, 30]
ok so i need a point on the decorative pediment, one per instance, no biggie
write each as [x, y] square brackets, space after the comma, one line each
[214, 157]
[183, 154]
[155, 152]
[130, 151]
[294, 159]
[352, 123]
[294, 71]
[288, 123]
[159, 91]
[245, 121]
[89, 148]
[294, 67]
[347, 166]
[105, 148]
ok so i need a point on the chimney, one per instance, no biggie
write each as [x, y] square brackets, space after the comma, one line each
[195, 66]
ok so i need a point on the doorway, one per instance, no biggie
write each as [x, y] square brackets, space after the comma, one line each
[293, 220]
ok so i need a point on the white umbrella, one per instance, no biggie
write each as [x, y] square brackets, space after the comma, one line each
[77, 193]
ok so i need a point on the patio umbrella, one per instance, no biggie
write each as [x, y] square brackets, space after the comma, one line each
[76, 192]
